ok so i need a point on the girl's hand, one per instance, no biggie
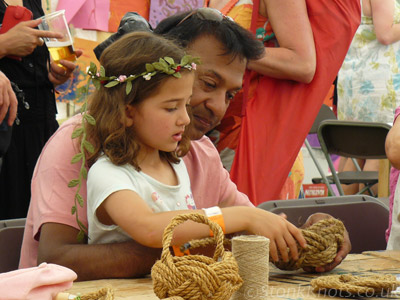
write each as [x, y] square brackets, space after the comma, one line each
[281, 233]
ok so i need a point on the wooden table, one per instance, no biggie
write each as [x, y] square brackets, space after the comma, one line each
[294, 285]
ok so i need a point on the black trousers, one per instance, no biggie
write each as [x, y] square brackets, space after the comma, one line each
[27, 142]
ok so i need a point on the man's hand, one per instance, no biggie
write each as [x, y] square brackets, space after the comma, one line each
[343, 251]
[23, 38]
[58, 75]
[8, 100]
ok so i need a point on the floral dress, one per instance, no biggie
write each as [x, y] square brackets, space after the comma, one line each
[369, 79]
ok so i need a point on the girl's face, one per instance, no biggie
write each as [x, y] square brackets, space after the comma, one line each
[159, 121]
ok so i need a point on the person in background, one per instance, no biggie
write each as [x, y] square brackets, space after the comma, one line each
[35, 76]
[263, 130]
[8, 101]
[392, 147]
[8, 113]
[369, 80]
[295, 46]
[51, 231]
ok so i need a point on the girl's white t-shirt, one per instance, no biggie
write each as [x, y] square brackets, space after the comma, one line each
[105, 178]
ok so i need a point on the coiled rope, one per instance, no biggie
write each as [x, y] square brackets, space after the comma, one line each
[323, 238]
[356, 285]
[105, 293]
[102, 294]
[195, 276]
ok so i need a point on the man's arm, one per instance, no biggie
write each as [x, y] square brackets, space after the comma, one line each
[59, 245]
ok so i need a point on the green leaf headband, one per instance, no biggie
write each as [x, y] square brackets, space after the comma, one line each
[164, 65]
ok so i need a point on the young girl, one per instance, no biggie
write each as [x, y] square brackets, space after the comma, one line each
[137, 183]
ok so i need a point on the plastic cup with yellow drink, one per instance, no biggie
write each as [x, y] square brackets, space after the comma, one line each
[61, 48]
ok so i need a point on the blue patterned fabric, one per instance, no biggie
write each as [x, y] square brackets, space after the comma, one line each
[369, 79]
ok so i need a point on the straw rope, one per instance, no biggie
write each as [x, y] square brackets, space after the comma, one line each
[203, 243]
[102, 294]
[356, 285]
[195, 276]
[252, 255]
[324, 238]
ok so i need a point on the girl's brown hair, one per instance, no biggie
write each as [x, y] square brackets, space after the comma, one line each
[128, 56]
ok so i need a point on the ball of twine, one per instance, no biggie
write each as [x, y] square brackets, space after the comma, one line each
[356, 285]
[252, 255]
[195, 276]
[323, 238]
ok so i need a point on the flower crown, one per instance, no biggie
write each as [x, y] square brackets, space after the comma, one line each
[164, 65]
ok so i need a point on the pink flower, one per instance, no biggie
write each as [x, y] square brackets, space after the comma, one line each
[194, 66]
[98, 74]
[121, 78]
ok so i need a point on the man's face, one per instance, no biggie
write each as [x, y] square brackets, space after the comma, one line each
[218, 79]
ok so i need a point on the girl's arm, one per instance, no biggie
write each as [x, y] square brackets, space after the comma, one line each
[295, 57]
[129, 211]
[382, 12]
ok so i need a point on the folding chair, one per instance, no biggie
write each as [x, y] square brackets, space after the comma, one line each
[12, 222]
[10, 247]
[325, 113]
[352, 139]
[364, 217]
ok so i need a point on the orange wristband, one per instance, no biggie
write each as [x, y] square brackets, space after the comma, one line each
[215, 214]
[178, 252]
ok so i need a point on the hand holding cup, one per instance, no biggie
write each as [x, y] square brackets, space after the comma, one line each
[60, 48]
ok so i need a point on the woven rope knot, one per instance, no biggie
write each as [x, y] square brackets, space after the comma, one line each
[324, 238]
[195, 276]
[356, 285]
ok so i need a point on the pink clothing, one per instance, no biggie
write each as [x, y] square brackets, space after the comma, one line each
[52, 199]
[210, 182]
[394, 176]
[39, 283]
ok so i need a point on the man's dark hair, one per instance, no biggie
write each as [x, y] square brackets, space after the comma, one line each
[130, 22]
[236, 40]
